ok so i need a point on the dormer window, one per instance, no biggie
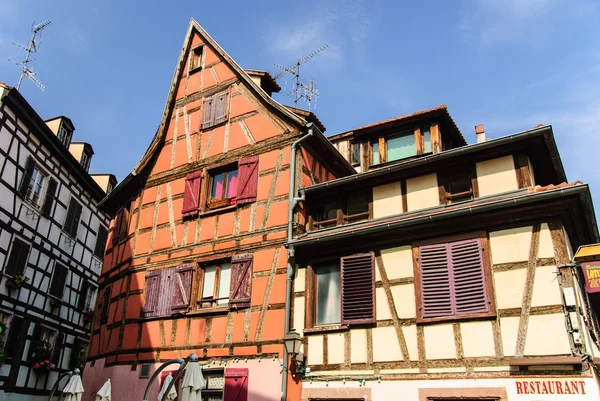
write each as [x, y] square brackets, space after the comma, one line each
[64, 135]
[85, 161]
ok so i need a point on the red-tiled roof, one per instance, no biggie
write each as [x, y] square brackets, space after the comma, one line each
[539, 188]
[276, 87]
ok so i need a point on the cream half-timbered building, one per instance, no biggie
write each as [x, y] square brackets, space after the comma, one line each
[52, 239]
[443, 272]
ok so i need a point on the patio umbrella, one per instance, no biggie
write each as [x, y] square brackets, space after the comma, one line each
[193, 382]
[74, 389]
[172, 392]
[104, 394]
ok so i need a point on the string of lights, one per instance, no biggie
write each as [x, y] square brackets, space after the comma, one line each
[361, 380]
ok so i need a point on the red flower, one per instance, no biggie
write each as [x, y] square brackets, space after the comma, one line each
[36, 366]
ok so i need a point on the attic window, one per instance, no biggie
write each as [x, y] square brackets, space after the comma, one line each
[196, 58]
[64, 135]
[85, 161]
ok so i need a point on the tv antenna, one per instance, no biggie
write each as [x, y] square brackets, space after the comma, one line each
[300, 90]
[32, 47]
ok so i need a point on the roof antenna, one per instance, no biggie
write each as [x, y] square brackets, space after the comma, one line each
[32, 47]
[300, 90]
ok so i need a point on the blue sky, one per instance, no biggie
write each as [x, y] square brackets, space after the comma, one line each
[507, 64]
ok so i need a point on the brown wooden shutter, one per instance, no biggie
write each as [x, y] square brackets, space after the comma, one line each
[220, 107]
[101, 242]
[436, 290]
[241, 281]
[247, 185]
[468, 277]
[29, 166]
[73, 215]
[49, 198]
[165, 292]
[182, 287]
[14, 347]
[75, 351]
[59, 278]
[117, 226]
[236, 384]
[358, 288]
[83, 291]
[152, 292]
[17, 260]
[209, 111]
[191, 194]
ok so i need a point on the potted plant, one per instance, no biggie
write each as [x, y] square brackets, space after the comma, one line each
[41, 351]
[88, 314]
[15, 282]
[43, 366]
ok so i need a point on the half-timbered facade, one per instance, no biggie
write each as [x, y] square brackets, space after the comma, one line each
[443, 271]
[52, 239]
[195, 260]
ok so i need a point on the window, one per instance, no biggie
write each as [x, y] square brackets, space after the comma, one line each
[215, 285]
[173, 286]
[85, 161]
[36, 183]
[375, 159]
[354, 153]
[452, 280]
[458, 184]
[226, 186]
[78, 354]
[73, 215]
[344, 291]
[59, 279]
[400, 146]
[17, 259]
[426, 140]
[215, 385]
[32, 186]
[215, 109]
[196, 58]
[121, 226]
[223, 187]
[350, 209]
[100, 242]
[87, 296]
[64, 135]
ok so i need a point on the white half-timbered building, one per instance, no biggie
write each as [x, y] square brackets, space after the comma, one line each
[52, 239]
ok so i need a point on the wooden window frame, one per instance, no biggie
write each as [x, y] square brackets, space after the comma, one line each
[66, 140]
[341, 217]
[382, 139]
[446, 197]
[200, 286]
[524, 177]
[196, 53]
[354, 158]
[28, 197]
[487, 274]
[213, 203]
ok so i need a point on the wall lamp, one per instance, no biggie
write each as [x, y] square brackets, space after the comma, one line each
[292, 342]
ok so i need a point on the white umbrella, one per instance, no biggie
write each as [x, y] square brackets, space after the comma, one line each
[104, 394]
[193, 382]
[73, 389]
[172, 392]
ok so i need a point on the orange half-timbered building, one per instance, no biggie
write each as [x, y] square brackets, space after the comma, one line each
[195, 259]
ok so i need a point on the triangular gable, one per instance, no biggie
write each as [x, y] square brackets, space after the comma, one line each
[241, 74]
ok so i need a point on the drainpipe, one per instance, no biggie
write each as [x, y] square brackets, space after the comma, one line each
[291, 264]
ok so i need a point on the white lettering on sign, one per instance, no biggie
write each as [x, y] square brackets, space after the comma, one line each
[551, 387]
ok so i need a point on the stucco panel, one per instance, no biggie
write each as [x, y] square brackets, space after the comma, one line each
[410, 336]
[509, 327]
[335, 348]
[477, 339]
[509, 286]
[315, 350]
[385, 345]
[510, 245]
[387, 200]
[382, 305]
[358, 346]
[299, 314]
[545, 287]
[439, 342]
[404, 300]
[422, 192]
[496, 176]
[546, 249]
[547, 335]
[398, 262]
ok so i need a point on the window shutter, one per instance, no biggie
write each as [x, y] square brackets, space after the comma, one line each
[101, 242]
[191, 195]
[75, 351]
[436, 290]
[49, 199]
[358, 288]
[236, 384]
[57, 286]
[85, 287]
[209, 111]
[29, 165]
[59, 345]
[241, 281]
[117, 226]
[468, 277]
[247, 186]
[72, 221]
[182, 287]
[220, 106]
[17, 260]
[152, 293]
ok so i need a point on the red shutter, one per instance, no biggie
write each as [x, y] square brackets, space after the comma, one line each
[117, 226]
[209, 111]
[236, 384]
[468, 279]
[358, 288]
[152, 291]
[182, 287]
[220, 107]
[191, 194]
[247, 185]
[241, 281]
[436, 291]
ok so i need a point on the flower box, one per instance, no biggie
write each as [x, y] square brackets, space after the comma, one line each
[15, 282]
[43, 367]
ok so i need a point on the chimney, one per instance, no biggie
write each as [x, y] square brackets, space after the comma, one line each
[480, 134]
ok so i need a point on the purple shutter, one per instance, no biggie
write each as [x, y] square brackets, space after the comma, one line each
[358, 288]
[247, 186]
[209, 111]
[220, 107]
[436, 291]
[165, 293]
[182, 287]
[468, 277]
[241, 281]
[191, 194]
[152, 290]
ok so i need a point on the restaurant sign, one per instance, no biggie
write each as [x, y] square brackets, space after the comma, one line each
[591, 271]
[550, 387]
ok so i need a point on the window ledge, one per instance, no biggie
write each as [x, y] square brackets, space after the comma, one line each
[458, 318]
[209, 311]
[327, 329]
[194, 70]
[223, 209]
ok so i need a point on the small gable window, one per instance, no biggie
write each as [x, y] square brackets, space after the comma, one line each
[196, 58]
[64, 135]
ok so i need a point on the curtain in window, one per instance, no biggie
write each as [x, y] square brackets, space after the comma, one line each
[328, 295]
[401, 146]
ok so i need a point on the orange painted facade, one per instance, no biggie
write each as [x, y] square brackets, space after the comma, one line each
[152, 232]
